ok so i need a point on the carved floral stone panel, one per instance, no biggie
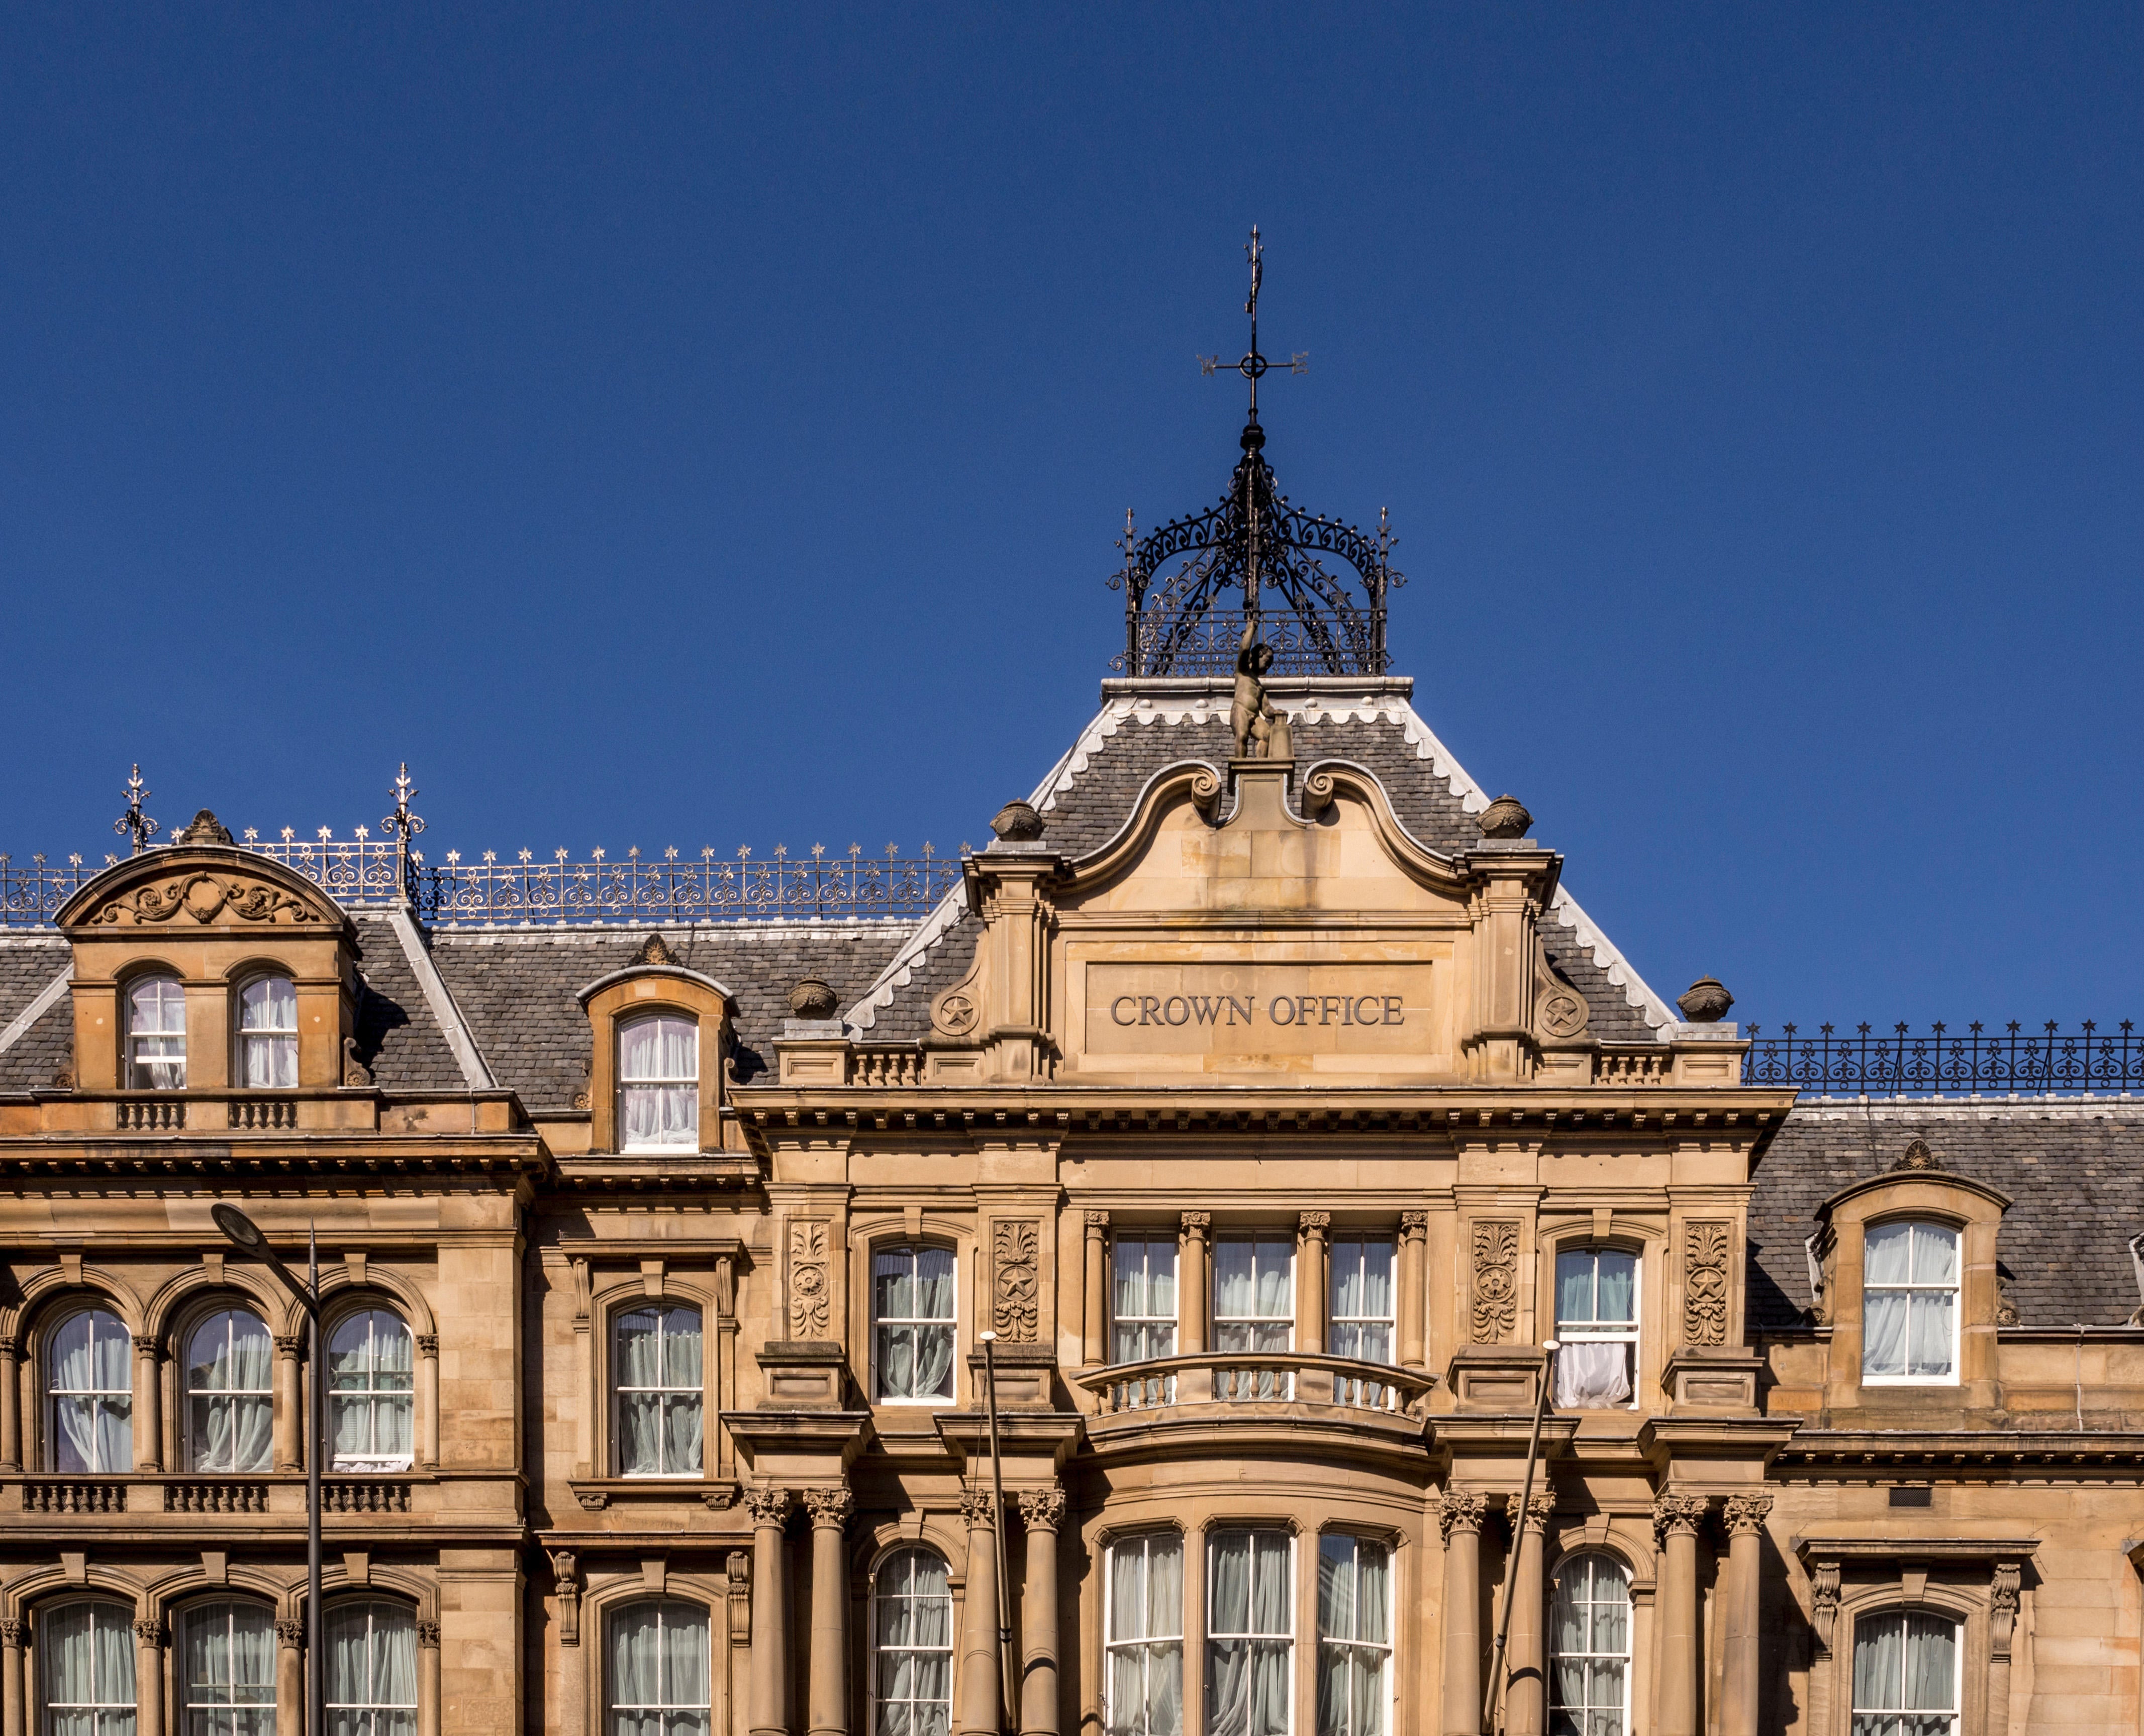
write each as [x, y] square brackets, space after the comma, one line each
[1706, 1246]
[204, 897]
[1015, 1248]
[810, 1285]
[1495, 1289]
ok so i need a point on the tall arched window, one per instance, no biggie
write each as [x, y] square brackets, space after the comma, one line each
[155, 1035]
[1589, 1675]
[1906, 1675]
[658, 1673]
[228, 1671]
[85, 1655]
[1143, 1633]
[230, 1366]
[912, 1323]
[369, 1391]
[268, 1033]
[658, 1370]
[372, 1669]
[88, 1381]
[1354, 1636]
[911, 1646]
[658, 1071]
[1909, 1303]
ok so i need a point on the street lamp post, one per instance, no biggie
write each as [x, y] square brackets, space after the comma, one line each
[244, 1234]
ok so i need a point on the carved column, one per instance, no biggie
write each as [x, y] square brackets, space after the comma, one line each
[428, 1400]
[976, 1707]
[1460, 1514]
[13, 1715]
[427, 1685]
[2001, 1631]
[1743, 1620]
[1414, 1249]
[149, 1641]
[1095, 1299]
[148, 1406]
[1191, 1285]
[572, 1657]
[11, 1404]
[1042, 1510]
[1310, 1281]
[290, 1403]
[829, 1700]
[1675, 1520]
[1525, 1689]
[769, 1712]
[291, 1673]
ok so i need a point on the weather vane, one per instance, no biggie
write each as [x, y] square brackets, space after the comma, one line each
[1253, 367]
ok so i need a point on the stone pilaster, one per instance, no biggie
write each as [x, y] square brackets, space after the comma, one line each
[1459, 1514]
[1094, 1298]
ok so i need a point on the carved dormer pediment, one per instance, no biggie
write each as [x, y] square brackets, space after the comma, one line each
[187, 887]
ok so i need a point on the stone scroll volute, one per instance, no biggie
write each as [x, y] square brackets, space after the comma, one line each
[1494, 1313]
[811, 1282]
[1015, 1284]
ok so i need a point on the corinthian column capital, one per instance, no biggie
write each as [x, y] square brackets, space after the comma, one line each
[1678, 1515]
[830, 1507]
[1042, 1509]
[767, 1505]
[1745, 1514]
[1459, 1510]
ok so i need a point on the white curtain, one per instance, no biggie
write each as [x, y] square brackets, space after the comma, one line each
[1145, 1297]
[658, 1670]
[370, 1375]
[1905, 1676]
[1908, 1324]
[658, 1066]
[913, 1690]
[1247, 1675]
[157, 1035]
[1592, 1377]
[372, 1669]
[1589, 1645]
[912, 1290]
[658, 1373]
[231, 1670]
[229, 1366]
[268, 1016]
[1361, 1300]
[91, 1383]
[1354, 1630]
[1146, 1637]
[85, 1669]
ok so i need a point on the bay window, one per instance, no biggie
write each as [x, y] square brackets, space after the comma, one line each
[1250, 1632]
[1143, 1323]
[1354, 1636]
[1142, 1636]
[1254, 1309]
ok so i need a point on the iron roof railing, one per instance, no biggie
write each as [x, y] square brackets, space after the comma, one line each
[1976, 1062]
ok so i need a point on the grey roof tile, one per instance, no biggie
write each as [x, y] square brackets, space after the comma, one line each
[28, 964]
[397, 1036]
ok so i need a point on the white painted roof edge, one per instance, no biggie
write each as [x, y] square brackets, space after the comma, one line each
[19, 1026]
[476, 1075]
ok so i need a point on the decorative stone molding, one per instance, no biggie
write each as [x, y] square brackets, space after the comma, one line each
[1744, 1515]
[980, 1507]
[290, 1632]
[1199, 1221]
[563, 1570]
[1541, 1508]
[810, 1286]
[11, 1631]
[813, 998]
[1017, 823]
[1824, 1602]
[1562, 1011]
[11, 1347]
[206, 898]
[1042, 1509]
[428, 1344]
[653, 951]
[830, 1508]
[149, 1630]
[1505, 818]
[1314, 1223]
[1015, 1278]
[289, 1345]
[354, 1071]
[204, 828]
[147, 1345]
[1918, 1156]
[1097, 1220]
[1496, 1298]
[428, 1635]
[1459, 1510]
[1678, 1514]
[1705, 1001]
[1706, 1246]
[766, 1504]
[2003, 1608]
[592, 1500]
[1414, 1224]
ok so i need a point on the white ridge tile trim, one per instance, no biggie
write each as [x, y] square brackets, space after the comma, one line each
[19, 1026]
[475, 1075]
[933, 929]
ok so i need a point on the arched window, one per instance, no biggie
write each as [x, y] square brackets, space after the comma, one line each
[912, 1323]
[911, 1646]
[658, 1070]
[1909, 1303]
[155, 1035]
[372, 1669]
[228, 1669]
[658, 1672]
[1588, 1674]
[1906, 1675]
[1250, 1634]
[369, 1395]
[230, 1364]
[268, 1033]
[89, 1382]
[657, 1369]
[1596, 1319]
[1144, 1636]
[1354, 1636]
[85, 1655]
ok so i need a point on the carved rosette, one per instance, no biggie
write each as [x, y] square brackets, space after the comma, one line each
[767, 1505]
[1042, 1509]
[1015, 1282]
[1496, 1298]
[830, 1508]
[980, 1507]
[1541, 1508]
[1744, 1515]
[290, 1632]
[1678, 1515]
[1460, 1510]
[1705, 1248]
[810, 1286]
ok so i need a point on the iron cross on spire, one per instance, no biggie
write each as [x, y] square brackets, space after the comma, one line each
[1253, 366]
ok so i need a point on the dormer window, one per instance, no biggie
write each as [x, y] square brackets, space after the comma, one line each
[1909, 1302]
[268, 1033]
[157, 1034]
[659, 1083]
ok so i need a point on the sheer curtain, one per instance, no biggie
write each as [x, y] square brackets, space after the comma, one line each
[1597, 1318]
[659, 1071]
[231, 1670]
[1255, 1304]
[92, 1398]
[1249, 1628]
[658, 1373]
[229, 1366]
[1589, 1646]
[1362, 1298]
[268, 1024]
[1145, 1295]
[369, 1378]
[1591, 1377]
[1905, 1676]
[912, 1658]
[912, 1303]
[1146, 1680]
[85, 1669]
[658, 1670]
[372, 1669]
[157, 1035]
[1909, 1302]
[1354, 1635]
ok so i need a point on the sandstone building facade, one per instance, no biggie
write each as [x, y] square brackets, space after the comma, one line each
[1270, 1108]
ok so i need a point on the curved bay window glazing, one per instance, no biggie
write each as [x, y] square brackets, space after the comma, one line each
[1250, 1634]
[1354, 1636]
[1144, 1637]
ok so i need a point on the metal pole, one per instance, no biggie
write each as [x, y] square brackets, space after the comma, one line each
[1010, 1710]
[315, 1702]
[1518, 1536]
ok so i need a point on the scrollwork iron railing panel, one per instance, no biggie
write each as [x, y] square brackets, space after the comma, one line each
[1207, 644]
[2043, 1061]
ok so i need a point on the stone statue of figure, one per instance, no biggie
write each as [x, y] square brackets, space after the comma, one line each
[1250, 716]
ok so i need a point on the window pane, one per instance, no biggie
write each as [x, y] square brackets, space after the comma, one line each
[229, 1366]
[658, 1670]
[1935, 1254]
[1883, 1340]
[1574, 1285]
[92, 1399]
[1589, 1645]
[911, 1662]
[1616, 1298]
[86, 1668]
[1887, 1257]
[268, 1003]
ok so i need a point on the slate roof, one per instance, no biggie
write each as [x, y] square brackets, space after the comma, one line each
[2074, 1169]
[397, 1035]
[29, 964]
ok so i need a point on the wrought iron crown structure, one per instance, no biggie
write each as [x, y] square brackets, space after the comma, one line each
[1254, 540]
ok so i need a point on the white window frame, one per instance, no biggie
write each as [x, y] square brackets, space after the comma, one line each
[1266, 1384]
[1856, 1713]
[230, 1708]
[139, 1075]
[619, 1389]
[265, 1035]
[108, 1718]
[372, 1391]
[190, 1394]
[1584, 1334]
[662, 1711]
[368, 1720]
[1627, 1657]
[626, 1086]
[1955, 1289]
[1148, 1322]
[1334, 1320]
[951, 1321]
[878, 1652]
[54, 1392]
[1112, 1643]
[1384, 1650]
[1286, 1636]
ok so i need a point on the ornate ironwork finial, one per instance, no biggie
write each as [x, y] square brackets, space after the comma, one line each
[1253, 366]
[402, 826]
[137, 826]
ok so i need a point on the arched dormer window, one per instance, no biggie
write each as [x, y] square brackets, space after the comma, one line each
[268, 1035]
[85, 1665]
[156, 1053]
[229, 1368]
[90, 1395]
[372, 1667]
[371, 1396]
[658, 1032]
[658, 1093]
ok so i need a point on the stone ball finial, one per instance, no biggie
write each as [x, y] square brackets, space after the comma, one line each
[813, 998]
[1505, 818]
[1017, 822]
[1705, 1001]
[205, 828]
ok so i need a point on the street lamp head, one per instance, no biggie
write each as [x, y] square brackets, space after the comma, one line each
[1551, 1345]
[988, 1338]
[243, 1231]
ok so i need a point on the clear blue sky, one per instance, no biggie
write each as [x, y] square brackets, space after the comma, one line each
[699, 427]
